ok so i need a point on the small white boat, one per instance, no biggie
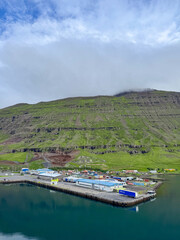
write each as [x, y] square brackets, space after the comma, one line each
[152, 192]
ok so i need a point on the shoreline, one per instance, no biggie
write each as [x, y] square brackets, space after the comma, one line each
[113, 199]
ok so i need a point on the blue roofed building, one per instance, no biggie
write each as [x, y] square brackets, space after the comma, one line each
[42, 171]
[103, 185]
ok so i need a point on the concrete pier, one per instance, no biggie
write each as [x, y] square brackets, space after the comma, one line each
[112, 198]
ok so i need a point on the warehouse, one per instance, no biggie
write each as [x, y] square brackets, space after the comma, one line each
[107, 186]
[49, 176]
[70, 179]
[39, 171]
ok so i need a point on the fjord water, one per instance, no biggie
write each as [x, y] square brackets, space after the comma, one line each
[29, 212]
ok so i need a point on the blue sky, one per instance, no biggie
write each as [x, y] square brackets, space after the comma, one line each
[51, 49]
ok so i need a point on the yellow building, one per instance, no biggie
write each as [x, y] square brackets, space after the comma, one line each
[170, 170]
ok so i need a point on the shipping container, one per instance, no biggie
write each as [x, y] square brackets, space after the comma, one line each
[138, 183]
[128, 193]
[146, 180]
[129, 183]
[117, 178]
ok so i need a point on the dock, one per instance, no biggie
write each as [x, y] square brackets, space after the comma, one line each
[112, 198]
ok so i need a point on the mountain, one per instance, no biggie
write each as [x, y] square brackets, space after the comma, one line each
[130, 130]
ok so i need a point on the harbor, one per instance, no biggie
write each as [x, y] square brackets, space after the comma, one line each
[100, 194]
[38, 213]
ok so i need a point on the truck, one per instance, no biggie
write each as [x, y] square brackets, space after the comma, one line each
[128, 193]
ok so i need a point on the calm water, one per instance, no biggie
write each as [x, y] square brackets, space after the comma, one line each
[29, 212]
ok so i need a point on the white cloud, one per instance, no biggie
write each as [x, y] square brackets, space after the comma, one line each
[147, 21]
[88, 48]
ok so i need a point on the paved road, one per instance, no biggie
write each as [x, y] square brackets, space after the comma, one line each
[47, 163]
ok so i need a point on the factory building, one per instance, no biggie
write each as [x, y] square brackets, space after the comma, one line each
[70, 179]
[40, 171]
[102, 185]
[49, 176]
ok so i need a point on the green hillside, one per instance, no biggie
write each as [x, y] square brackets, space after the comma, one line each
[136, 130]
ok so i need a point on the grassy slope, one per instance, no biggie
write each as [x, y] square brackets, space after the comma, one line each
[17, 157]
[156, 158]
[36, 164]
[148, 119]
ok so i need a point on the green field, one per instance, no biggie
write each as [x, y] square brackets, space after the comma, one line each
[156, 158]
[20, 158]
[36, 164]
[16, 157]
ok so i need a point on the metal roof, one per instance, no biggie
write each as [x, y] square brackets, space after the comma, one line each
[44, 170]
[99, 182]
[49, 174]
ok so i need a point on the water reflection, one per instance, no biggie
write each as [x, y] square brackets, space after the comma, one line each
[134, 209]
[15, 237]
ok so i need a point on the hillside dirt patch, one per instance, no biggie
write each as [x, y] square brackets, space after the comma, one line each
[6, 162]
[37, 156]
[58, 159]
[61, 158]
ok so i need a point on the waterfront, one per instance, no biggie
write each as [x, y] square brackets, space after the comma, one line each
[30, 212]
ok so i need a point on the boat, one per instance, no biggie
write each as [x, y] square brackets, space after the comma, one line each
[151, 192]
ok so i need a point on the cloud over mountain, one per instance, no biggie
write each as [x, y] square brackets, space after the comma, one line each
[55, 49]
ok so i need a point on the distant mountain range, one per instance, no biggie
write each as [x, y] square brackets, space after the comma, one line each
[130, 130]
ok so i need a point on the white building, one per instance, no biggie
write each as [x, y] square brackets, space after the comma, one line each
[72, 179]
[102, 185]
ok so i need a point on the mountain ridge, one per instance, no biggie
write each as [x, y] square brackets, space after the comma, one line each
[136, 124]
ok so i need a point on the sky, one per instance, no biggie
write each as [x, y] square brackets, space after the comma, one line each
[53, 49]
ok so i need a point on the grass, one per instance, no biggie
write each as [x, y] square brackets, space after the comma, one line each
[15, 157]
[36, 164]
[156, 158]
[3, 136]
[20, 158]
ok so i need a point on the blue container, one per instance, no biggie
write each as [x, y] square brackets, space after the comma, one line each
[138, 183]
[117, 178]
[128, 193]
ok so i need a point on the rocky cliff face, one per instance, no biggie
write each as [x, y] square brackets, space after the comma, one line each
[133, 122]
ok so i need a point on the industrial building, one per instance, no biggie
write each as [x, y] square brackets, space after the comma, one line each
[45, 174]
[102, 185]
[72, 179]
[40, 171]
[49, 176]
